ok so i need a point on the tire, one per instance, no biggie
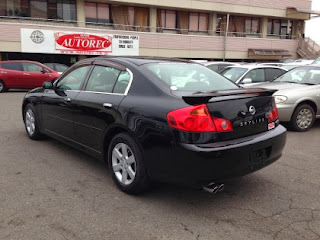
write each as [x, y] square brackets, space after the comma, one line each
[3, 87]
[303, 118]
[127, 166]
[31, 123]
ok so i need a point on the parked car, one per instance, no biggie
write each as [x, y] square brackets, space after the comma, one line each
[60, 68]
[157, 119]
[24, 75]
[250, 74]
[286, 66]
[218, 66]
[298, 96]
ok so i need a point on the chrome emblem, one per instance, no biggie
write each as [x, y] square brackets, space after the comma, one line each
[252, 110]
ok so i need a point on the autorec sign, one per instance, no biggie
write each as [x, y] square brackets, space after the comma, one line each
[49, 41]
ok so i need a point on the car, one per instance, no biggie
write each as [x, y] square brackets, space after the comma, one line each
[24, 75]
[60, 68]
[251, 74]
[160, 119]
[218, 66]
[298, 96]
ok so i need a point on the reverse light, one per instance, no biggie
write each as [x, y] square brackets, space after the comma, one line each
[197, 119]
[280, 99]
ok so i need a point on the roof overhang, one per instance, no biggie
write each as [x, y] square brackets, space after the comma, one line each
[269, 53]
[301, 13]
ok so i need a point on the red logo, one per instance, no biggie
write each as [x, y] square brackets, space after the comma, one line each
[83, 42]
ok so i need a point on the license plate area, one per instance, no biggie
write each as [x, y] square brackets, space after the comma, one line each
[259, 157]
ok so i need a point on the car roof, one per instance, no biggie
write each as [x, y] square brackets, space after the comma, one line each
[141, 60]
[250, 66]
[22, 61]
[219, 62]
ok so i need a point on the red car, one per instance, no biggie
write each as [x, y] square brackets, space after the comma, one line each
[24, 74]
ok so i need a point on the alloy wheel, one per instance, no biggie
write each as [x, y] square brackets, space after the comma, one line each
[124, 164]
[30, 122]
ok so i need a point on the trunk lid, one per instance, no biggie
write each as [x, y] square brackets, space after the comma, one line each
[246, 109]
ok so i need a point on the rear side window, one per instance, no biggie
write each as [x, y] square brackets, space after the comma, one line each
[122, 83]
[189, 77]
[12, 66]
[102, 79]
[273, 73]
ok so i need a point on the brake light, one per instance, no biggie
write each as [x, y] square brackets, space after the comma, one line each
[273, 115]
[197, 119]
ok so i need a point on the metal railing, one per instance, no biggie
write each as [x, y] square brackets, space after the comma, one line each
[308, 48]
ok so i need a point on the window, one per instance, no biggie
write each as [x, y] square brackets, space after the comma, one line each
[74, 79]
[30, 67]
[282, 28]
[102, 79]
[12, 66]
[256, 75]
[252, 25]
[198, 22]
[167, 19]
[233, 73]
[66, 10]
[188, 77]
[38, 8]
[122, 83]
[97, 13]
[273, 73]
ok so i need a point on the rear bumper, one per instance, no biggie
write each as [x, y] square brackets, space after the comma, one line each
[199, 165]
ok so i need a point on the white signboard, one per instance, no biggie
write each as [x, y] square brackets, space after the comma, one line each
[49, 41]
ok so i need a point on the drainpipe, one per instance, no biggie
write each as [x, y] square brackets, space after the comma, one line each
[225, 38]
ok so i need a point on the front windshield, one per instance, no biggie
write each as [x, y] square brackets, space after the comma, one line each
[301, 75]
[189, 77]
[233, 73]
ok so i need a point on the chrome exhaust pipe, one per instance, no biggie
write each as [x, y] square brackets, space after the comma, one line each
[213, 188]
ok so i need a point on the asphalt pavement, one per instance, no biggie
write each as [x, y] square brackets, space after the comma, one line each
[52, 191]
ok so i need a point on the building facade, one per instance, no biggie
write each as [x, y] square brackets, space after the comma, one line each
[67, 30]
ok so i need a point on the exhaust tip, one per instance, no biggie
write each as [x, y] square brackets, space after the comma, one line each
[213, 188]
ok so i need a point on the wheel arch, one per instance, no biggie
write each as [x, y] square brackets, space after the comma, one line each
[109, 135]
[308, 102]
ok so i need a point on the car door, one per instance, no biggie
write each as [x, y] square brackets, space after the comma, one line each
[35, 75]
[256, 75]
[11, 74]
[96, 108]
[58, 103]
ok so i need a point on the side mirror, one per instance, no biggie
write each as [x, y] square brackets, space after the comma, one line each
[43, 71]
[246, 80]
[47, 85]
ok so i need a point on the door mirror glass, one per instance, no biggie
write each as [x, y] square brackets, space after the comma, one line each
[247, 80]
[47, 85]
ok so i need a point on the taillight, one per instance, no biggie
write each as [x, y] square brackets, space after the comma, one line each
[273, 115]
[197, 119]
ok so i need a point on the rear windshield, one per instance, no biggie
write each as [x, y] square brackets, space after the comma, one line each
[233, 73]
[189, 77]
[301, 75]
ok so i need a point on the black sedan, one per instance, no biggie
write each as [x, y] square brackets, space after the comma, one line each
[158, 119]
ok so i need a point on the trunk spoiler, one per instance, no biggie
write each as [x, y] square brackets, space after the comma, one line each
[205, 97]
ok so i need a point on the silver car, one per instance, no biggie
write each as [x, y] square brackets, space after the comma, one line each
[297, 96]
[251, 74]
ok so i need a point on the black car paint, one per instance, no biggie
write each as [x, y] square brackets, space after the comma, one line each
[169, 154]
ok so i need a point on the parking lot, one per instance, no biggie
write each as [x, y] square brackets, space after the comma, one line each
[51, 191]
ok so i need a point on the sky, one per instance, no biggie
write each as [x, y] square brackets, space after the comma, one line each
[312, 26]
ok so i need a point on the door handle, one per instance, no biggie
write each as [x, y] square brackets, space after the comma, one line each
[3, 72]
[27, 74]
[67, 100]
[107, 105]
